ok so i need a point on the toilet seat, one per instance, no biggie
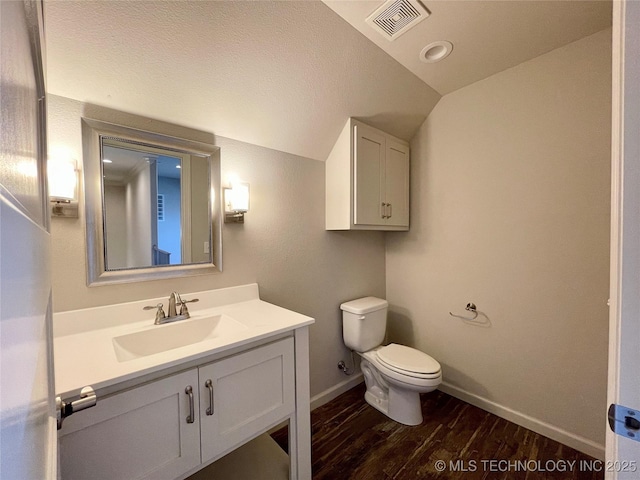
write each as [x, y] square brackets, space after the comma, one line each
[408, 361]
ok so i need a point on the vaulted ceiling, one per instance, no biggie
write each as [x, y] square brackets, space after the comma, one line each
[287, 75]
[487, 36]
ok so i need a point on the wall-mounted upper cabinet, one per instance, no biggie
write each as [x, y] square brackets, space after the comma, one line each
[367, 180]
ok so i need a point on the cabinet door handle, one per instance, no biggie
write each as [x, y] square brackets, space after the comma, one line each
[209, 385]
[384, 210]
[191, 417]
[386, 214]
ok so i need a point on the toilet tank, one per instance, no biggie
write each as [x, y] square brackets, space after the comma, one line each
[364, 322]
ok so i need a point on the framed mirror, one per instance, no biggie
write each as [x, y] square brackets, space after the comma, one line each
[153, 205]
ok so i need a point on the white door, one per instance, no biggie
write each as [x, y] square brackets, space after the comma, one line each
[623, 450]
[28, 448]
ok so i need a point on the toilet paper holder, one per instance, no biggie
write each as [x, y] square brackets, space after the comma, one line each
[471, 307]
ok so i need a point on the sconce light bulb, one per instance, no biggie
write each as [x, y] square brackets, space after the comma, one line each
[63, 179]
[240, 197]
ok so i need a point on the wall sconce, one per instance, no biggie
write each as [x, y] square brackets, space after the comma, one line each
[236, 202]
[63, 187]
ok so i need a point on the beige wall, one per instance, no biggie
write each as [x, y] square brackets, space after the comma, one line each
[199, 200]
[138, 218]
[283, 245]
[510, 210]
[116, 225]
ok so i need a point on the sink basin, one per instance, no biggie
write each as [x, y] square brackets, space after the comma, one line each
[162, 338]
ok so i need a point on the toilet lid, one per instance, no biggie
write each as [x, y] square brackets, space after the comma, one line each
[408, 359]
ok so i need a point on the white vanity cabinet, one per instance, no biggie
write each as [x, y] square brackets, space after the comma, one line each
[367, 180]
[168, 428]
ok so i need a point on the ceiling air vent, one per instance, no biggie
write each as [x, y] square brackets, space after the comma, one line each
[395, 17]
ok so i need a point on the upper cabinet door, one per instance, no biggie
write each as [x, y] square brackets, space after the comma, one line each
[368, 195]
[397, 183]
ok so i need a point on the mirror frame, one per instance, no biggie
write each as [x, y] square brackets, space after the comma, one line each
[97, 274]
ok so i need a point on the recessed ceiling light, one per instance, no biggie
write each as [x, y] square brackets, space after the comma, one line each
[106, 160]
[436, 51]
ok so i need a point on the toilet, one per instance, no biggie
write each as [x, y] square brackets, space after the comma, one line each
[395, 375]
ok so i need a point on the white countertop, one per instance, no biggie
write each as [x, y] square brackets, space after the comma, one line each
[83, 339]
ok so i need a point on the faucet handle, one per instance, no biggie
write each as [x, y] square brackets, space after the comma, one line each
[183, 305]
[159, 312]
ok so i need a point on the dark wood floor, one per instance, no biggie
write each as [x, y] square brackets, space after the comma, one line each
[352, 440]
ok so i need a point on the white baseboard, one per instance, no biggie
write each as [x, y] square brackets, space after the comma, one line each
[335, 391]
[574, 441]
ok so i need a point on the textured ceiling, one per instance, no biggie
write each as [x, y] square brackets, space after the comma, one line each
[284, 75]
[487, 36]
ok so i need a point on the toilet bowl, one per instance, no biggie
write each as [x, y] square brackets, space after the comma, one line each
[395, 375]
[396, 391]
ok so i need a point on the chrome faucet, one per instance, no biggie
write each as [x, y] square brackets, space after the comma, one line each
[174, 299]
[173, 313]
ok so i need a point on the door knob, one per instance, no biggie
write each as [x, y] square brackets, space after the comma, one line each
[64, 409]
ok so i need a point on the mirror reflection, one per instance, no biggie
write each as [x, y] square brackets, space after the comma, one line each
[152, 202]
[156, 206]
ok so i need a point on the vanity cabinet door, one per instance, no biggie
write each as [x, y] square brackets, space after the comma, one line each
[141, 433]
[244, 395]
